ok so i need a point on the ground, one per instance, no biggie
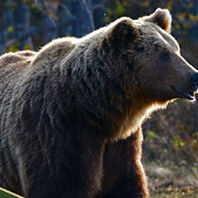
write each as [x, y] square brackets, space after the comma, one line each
[172, 181]
[170, 151]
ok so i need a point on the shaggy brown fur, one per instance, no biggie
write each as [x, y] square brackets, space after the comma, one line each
[71, 113]
[123, 172]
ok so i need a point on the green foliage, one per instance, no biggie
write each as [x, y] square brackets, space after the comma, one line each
[10, 28]
[177, 142]
[7, 194]
[35, 17]
[14, 47]
[151, 135]
[177, 132]
[120, 10]
[29, 3]
[10, 4]
[27, 47]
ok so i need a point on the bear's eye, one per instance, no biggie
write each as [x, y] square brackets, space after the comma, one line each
[164, 56]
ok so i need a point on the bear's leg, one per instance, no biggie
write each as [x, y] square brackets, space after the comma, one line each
[124, 175]
[72, 168]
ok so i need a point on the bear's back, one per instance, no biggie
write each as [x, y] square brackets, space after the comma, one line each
[14, 63]
[14, 66]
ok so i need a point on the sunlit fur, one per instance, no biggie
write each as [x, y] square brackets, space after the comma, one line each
[71, 113]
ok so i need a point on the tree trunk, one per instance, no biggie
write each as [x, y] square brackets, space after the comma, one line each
[82, 22]
[2, 26]
[22, 22]
[48, 21]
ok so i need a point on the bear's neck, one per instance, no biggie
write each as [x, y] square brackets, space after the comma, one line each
[99, 94]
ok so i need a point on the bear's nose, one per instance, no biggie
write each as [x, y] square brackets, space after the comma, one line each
[195, 79]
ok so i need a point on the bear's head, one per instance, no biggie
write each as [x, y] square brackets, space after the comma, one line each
[145, 48]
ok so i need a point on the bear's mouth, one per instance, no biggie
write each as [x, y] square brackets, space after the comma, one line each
[185, 95]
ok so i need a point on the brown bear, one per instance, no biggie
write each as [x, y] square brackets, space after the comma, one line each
[71, 113]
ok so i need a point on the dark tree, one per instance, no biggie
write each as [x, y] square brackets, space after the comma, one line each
[2, 25]
[77, 15]
[22, 22]
[83, 17]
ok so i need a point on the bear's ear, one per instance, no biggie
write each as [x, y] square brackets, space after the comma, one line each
[161, 17]
[123, 32]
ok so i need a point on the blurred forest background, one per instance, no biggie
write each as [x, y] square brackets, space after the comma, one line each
[170, 149]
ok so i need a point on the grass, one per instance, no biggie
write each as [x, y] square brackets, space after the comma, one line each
[175, 193]
[170, 180]
[7, 194]
[168, 192]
